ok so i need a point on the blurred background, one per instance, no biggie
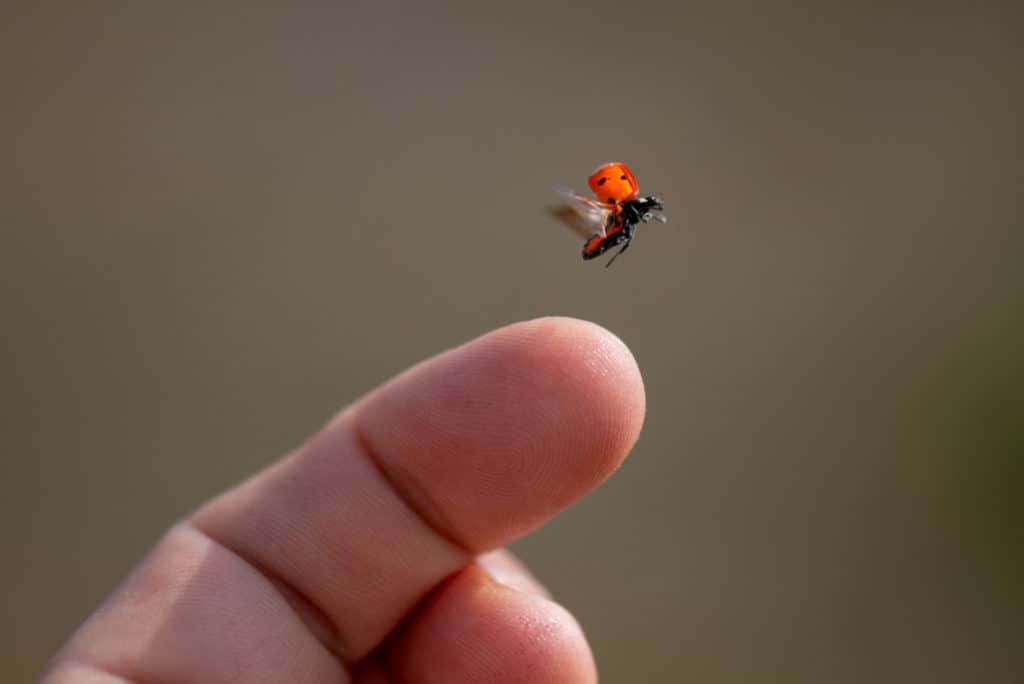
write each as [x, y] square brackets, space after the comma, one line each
[220, 223]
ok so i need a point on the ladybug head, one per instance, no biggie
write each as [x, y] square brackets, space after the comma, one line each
[614, 183]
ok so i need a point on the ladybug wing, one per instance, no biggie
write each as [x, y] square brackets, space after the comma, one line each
[586, 215]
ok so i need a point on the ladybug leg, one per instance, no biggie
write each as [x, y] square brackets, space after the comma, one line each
[625, 245]
[624, 239]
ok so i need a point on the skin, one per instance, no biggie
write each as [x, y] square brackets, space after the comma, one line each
[372, 553]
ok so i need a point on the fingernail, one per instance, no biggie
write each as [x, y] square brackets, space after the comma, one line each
[508, 572]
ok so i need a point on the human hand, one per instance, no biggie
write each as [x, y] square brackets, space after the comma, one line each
[365, 556]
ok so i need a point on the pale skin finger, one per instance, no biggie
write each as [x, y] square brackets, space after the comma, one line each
[473, 629]
[497, 624]
[329, 550]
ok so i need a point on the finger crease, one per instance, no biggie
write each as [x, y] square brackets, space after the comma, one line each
[316, 620]
[416, 500]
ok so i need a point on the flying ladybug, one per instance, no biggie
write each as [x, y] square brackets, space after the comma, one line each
[617, 211]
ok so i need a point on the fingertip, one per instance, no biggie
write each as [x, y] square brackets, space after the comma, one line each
[579, 373]
[494, 437]
[599, 368]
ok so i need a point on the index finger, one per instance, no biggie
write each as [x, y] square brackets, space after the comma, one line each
[460, 454]
[492, 439]
[457, 455]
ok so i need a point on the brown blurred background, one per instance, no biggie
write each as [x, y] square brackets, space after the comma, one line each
[221, 223]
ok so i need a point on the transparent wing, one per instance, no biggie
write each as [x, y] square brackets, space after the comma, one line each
[586, 215]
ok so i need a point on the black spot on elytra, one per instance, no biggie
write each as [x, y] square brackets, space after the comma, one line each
[623, 177]
[602, 181]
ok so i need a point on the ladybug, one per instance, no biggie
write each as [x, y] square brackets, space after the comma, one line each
[616, 212]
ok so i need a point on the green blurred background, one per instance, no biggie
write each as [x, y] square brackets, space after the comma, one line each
[221, 222]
